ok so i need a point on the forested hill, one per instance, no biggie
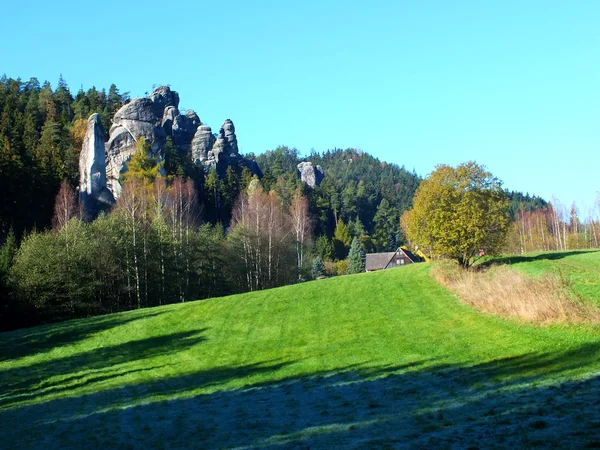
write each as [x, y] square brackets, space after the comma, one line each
[524, 202]
[41, 134]
[42, 131]
[355, 187]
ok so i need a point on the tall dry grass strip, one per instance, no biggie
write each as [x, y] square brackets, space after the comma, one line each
[507, 293]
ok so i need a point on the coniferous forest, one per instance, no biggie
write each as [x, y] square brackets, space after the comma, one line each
[178, 233]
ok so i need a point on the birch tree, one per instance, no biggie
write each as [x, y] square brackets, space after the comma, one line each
[302, 227]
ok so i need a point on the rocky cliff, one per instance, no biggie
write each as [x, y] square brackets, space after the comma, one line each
[155, 117]
[93, 192]
[134, 120]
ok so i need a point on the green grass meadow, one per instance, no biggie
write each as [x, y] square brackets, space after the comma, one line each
[579, 269]
[387, 359]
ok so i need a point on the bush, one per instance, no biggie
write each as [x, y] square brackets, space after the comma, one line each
[341, 267]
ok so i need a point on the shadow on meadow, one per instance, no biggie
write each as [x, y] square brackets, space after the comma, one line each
[504, 402]
[48, 378]
[515, 259]
[31, 341]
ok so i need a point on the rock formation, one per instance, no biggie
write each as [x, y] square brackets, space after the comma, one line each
[155, 118]
[162, 97]
[229, 135]
[183, 130]
[168, 118]
[219, 151]
[310, 174]
[201, 144]
[132, 121]
[93, 193]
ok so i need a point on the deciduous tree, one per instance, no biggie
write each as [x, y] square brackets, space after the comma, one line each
[458, 213]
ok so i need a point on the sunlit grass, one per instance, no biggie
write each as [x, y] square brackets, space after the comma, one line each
[377, 359]
[579, 269]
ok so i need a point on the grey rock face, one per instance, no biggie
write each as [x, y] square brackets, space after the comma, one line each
[161, 97]
[220, 148]
[193, 118]
[201, 144]
[153, 118]
[92, 169]
[180, 127]
[229, 135]
[168, 118]
[132, 121]
[210, 151]
[310, 174]
[183, 131]
[141, 109]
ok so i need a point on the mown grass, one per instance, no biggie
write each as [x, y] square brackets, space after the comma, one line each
[385, 359]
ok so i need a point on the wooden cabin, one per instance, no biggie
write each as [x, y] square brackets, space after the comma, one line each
[381, 261]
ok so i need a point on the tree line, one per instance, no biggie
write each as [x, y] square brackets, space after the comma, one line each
[188, 234]
[554, 227]
[41, 134]
[151, 249]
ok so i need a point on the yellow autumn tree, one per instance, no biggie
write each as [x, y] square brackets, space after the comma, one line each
[458, 213]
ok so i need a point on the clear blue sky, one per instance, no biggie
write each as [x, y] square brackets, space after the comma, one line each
[514, 85]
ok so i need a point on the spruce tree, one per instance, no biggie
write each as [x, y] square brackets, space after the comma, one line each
[356, 258]
[386, 221]
[318, 268]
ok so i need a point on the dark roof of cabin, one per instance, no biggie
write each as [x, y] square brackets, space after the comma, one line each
[376, 261]
[411, 255]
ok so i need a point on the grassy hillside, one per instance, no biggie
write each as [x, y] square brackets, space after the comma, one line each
[373, 360]
[580, 269]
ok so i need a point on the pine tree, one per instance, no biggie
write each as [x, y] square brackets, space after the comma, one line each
[387, 223]
[356, 228]
[356, 258]
[229, 189]
[212, 193]
[324, 247]
[173, 165]
[318, 268]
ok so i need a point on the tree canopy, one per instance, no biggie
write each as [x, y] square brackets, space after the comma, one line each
[458, 213]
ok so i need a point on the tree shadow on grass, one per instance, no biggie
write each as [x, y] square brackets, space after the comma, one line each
[41, 339]
[48, 378]
[515, 259]
[531, 400]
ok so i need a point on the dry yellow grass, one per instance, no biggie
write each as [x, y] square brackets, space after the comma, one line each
[504, 292]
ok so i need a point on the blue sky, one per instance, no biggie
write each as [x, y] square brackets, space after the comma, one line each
[514, 85]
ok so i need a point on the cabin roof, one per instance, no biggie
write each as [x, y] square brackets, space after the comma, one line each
[377, 261]
[411, 255]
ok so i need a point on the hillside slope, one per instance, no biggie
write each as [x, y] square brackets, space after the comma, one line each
[580, 269]
[377, 359]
